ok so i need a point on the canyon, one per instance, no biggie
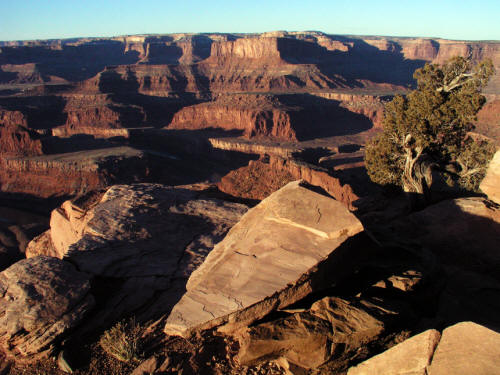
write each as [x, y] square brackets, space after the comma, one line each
[213, 188]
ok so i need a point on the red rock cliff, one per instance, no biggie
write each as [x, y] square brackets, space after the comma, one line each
[259, 179]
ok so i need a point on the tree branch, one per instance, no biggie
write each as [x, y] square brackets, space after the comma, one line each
[456, 82]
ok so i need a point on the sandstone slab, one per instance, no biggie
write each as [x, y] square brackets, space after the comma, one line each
[411, 357]
[491, 182]
[266, 260]
[41, 298]
[467, 348]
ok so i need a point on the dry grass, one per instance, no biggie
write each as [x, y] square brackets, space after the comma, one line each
[124, 341]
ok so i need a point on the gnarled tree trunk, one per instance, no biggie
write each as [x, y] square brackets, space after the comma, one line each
[417, 173]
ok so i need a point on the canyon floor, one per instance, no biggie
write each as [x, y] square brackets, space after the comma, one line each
[204, 197]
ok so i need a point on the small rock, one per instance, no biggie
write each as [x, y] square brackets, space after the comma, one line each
[63, 363]
[147, 367]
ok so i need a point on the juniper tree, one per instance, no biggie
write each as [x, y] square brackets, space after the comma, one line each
[429, 130]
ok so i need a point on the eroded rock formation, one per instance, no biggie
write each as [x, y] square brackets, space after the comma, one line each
[72, 173]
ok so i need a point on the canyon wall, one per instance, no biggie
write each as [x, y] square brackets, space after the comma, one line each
[71, 174]
[334, 85]
[488, 119]
[284, 117]
[80, 59]
[262, 177]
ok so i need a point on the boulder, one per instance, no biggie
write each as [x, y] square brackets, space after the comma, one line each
[267, 261]
[138, 230]
[411, 357]
[491, 182]
[467, 348]
[41, 298]
[141, 242]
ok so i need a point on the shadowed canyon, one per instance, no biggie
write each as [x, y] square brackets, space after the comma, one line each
[206, 196]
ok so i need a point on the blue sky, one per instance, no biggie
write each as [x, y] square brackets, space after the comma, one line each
[452, 19]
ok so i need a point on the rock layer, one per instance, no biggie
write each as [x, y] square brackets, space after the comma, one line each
[266, 261]
[72, 173]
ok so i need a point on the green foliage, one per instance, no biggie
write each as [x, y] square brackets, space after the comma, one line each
[438, 115]
[123, 341]
[476, 155]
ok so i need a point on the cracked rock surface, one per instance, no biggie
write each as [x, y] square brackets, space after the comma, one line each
[266, 261]
[41, 298]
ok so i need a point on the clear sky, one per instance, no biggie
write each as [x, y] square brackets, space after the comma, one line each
[451, 19]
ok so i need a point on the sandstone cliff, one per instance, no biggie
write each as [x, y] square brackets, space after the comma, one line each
[261, 178]
[254, 116]
[72, 173]
[232, 50]
[284, 117]
[137, 81]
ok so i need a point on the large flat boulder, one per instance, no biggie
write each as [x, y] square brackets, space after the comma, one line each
[467, 348]
[267, 260]
[41, 298]
[491, 182]
[411, 357]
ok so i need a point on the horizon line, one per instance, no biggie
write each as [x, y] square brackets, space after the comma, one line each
[248, 33]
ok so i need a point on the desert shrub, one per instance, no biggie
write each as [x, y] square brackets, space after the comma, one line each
[123, 341]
